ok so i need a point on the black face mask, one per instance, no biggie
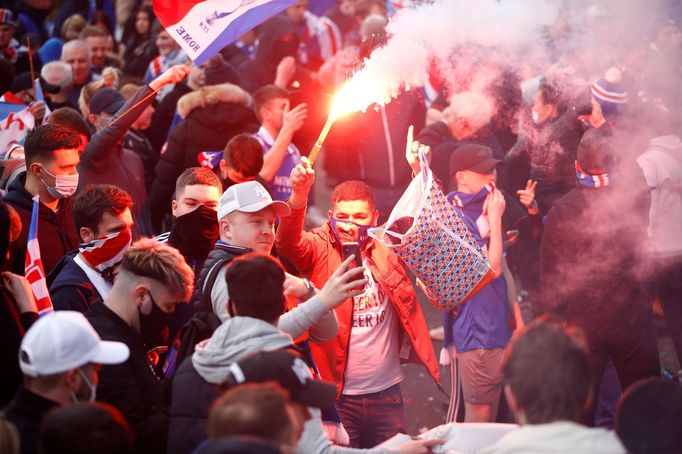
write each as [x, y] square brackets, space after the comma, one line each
[195, 233]
[154, 326]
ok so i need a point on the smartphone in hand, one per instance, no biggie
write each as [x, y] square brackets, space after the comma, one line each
[348, 249]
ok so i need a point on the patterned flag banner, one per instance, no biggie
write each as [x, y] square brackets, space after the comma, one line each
[15, 122]
[203, 28]
[34, 272]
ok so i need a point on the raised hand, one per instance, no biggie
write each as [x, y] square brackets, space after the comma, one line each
[412, 151]
[293, 119]
[527, 197]
[285, 71]
[495, 204]
[172, 75]
[20, 289]
[302, 179]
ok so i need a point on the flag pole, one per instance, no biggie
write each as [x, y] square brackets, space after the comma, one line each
[320, 140]
[142, 101]
[30, 57]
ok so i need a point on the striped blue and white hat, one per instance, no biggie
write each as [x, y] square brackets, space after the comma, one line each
[6, 16]
[610, 92]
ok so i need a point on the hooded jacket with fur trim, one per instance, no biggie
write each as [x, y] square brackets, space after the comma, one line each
[213, 115]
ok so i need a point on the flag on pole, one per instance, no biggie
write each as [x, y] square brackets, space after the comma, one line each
[209, 159]
[8, 108]
[40, 96]
[15, 122]
[34, 266]
[203, 27]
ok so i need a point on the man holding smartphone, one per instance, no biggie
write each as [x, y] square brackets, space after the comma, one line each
[378, 329]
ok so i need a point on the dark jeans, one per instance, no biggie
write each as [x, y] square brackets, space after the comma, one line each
[668, 285]
[609, 394]
[630, 342]
[373, 418]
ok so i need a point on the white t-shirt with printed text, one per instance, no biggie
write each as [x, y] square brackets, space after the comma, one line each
[374, 353]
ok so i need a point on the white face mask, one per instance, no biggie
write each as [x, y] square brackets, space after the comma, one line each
[89, 384]
[64, 185]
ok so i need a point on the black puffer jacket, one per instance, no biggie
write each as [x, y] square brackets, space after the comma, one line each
[206, 128]
[187, 429]
[131, 386]
[591, 256]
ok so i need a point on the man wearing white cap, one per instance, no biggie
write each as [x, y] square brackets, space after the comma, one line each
[59, 357]
[246, 217]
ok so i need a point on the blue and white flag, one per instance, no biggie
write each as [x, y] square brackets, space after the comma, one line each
[40, 97]
[209, 159]
[203, 28]
[15, 122]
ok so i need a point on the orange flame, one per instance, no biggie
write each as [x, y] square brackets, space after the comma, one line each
[360, 92]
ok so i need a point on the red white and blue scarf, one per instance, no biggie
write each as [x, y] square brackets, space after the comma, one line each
[600, 180]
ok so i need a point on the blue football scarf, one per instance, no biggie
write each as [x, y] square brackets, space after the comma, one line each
[471, 204]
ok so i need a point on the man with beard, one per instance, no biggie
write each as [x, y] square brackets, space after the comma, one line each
[152, 280]
[102, 217]
[378, 329]
[60, 357]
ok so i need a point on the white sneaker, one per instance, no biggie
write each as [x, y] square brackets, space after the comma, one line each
[437, 333]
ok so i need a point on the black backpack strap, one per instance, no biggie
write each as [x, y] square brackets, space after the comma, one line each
[205, 300]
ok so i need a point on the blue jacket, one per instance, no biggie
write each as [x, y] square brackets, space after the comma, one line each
[71, 289]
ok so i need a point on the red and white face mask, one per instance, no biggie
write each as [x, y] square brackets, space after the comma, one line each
[106, 252]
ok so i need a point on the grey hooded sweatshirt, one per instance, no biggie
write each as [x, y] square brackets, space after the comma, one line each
[241, 336]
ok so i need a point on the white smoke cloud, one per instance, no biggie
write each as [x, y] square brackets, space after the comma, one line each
[435, 31]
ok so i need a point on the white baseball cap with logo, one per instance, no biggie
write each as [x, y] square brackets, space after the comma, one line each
[249, 197]
[65, 340]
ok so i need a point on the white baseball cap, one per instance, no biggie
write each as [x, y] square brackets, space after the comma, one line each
[249, 197]
[65, 340]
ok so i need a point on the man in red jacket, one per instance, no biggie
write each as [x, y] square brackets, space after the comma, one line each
[378, 329]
